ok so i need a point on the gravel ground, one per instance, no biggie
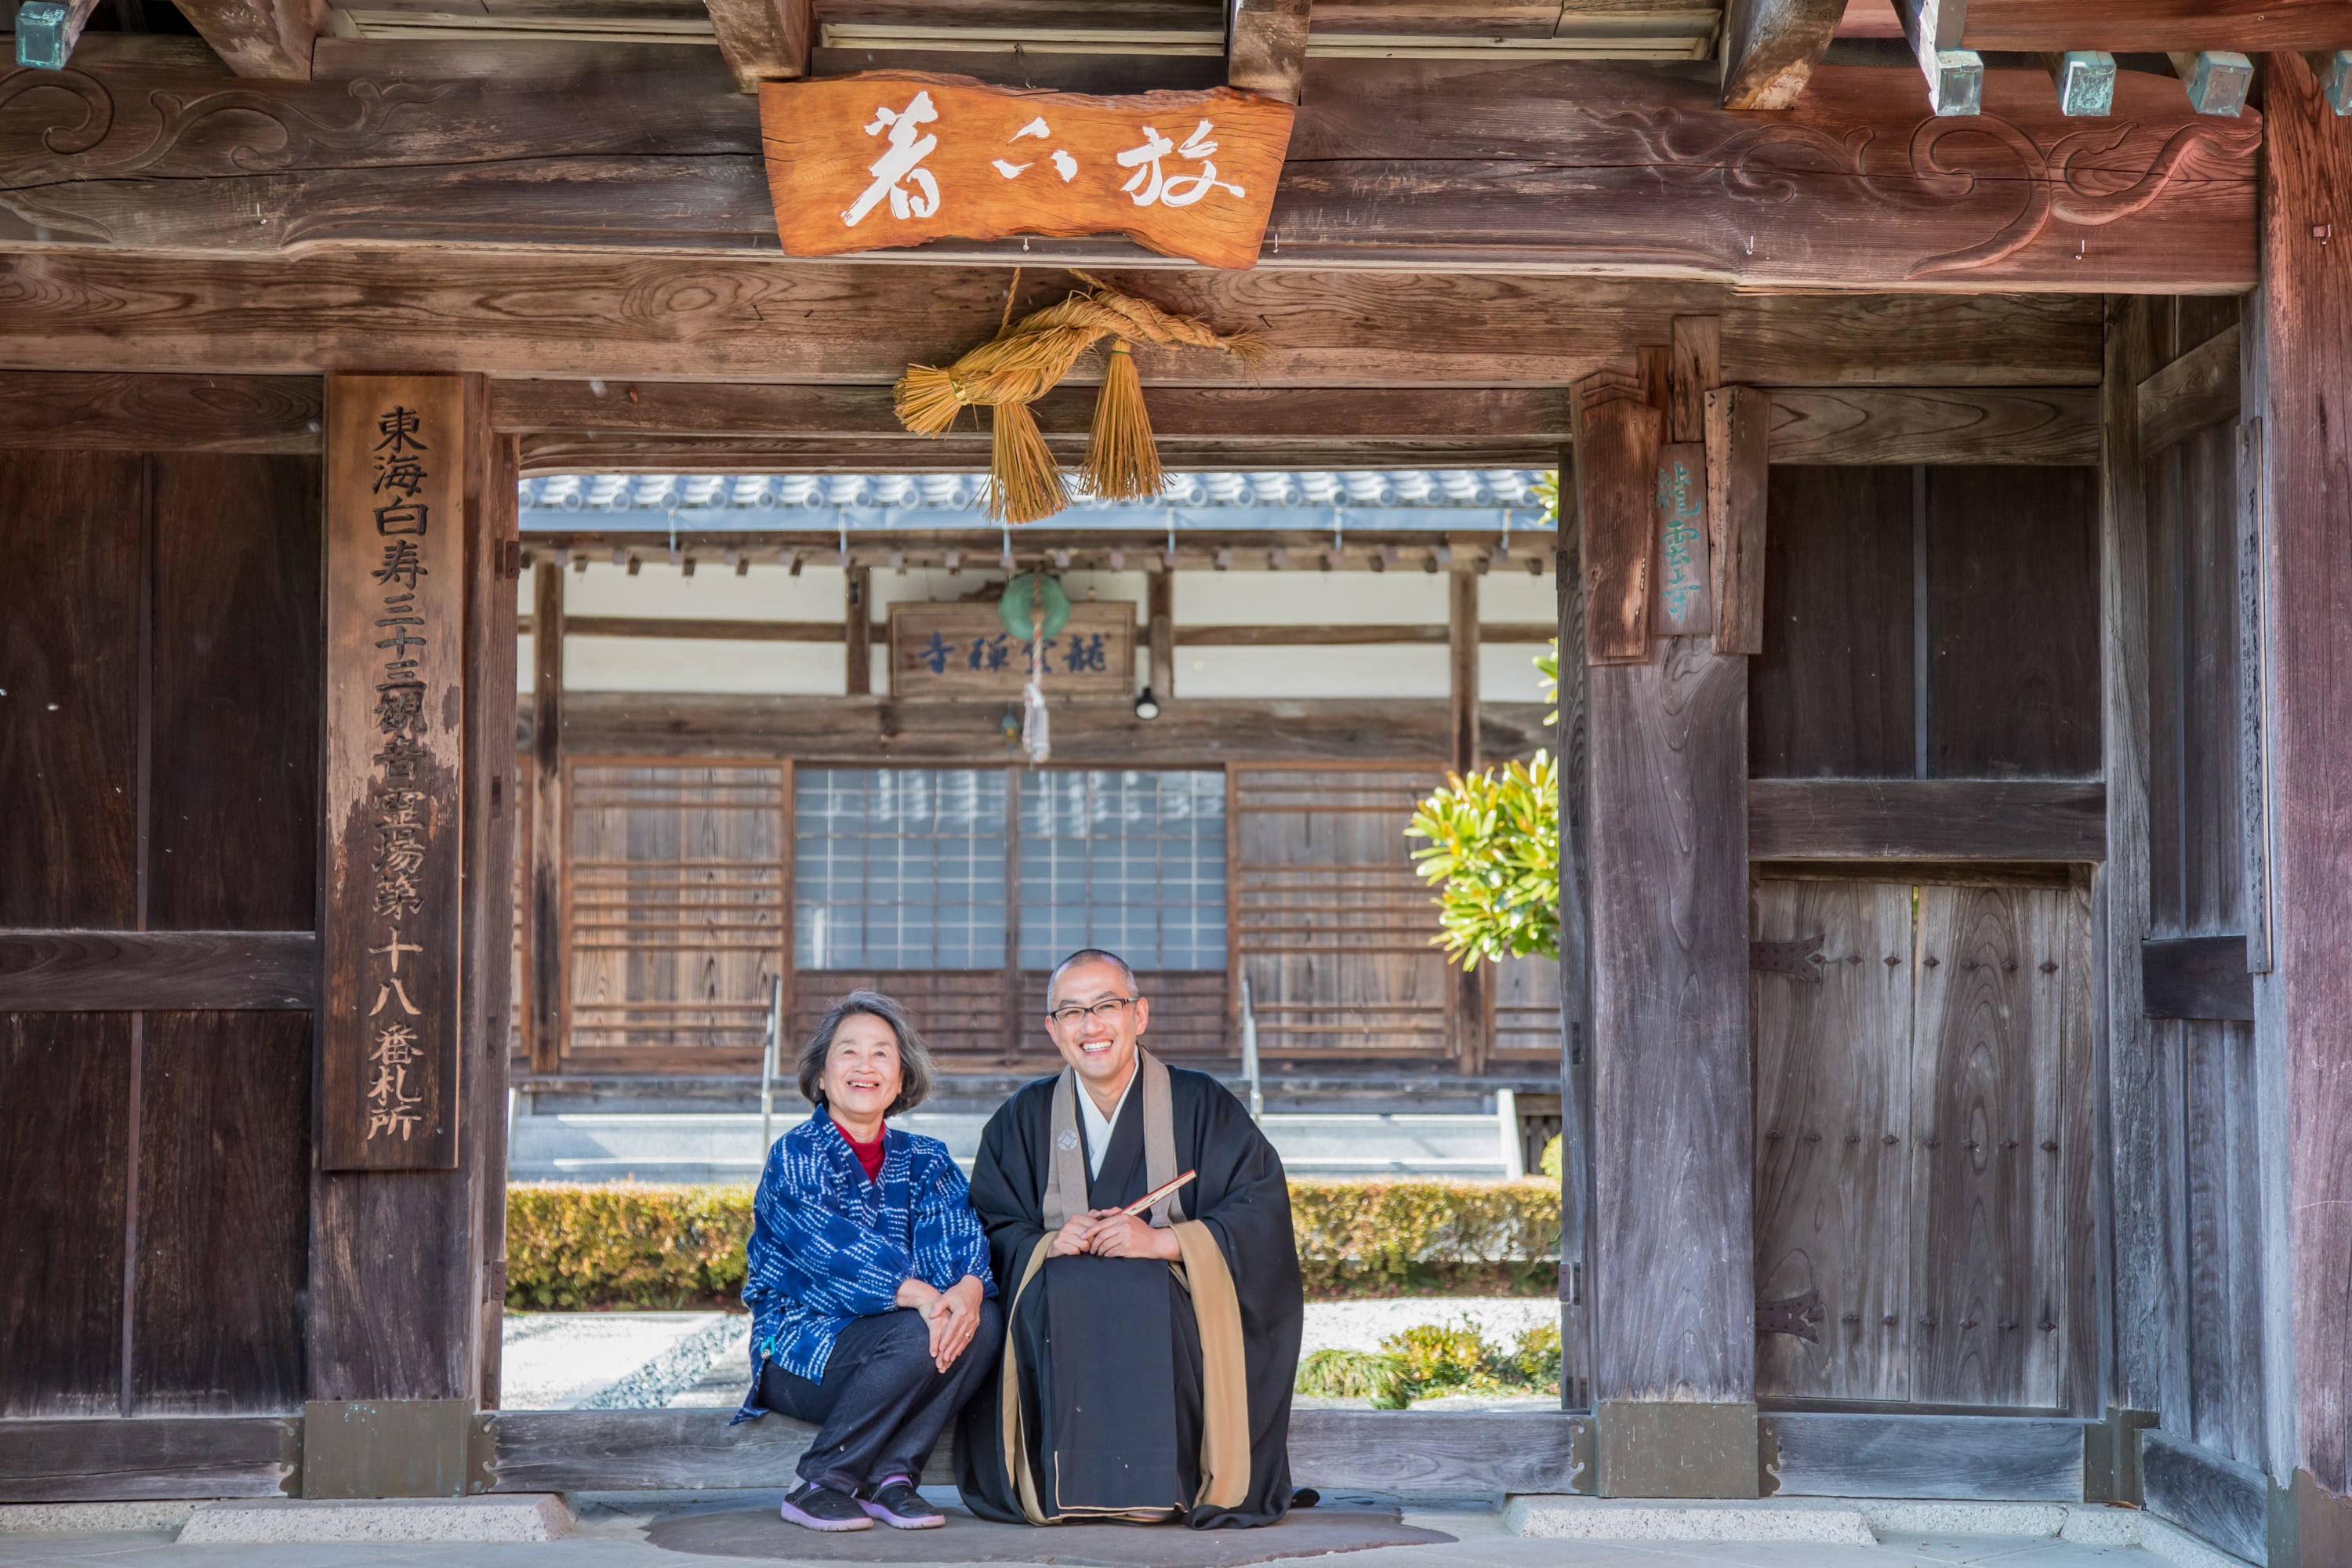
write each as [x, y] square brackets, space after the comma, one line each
[612, 1360]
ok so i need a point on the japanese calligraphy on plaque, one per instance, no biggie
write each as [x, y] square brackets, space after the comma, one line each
[395, 623]
[964, 650]
[1686, 601]
[896, 158]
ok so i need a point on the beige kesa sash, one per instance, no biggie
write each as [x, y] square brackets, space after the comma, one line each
[1208, 1283]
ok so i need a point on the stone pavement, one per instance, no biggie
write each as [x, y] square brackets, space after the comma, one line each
[612, 1531]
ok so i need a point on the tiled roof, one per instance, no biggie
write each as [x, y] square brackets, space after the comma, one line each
[1453, 498]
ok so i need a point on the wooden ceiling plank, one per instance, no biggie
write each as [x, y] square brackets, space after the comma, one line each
[764, 40]
[113, 412]
[267, 39]
[1266, 46]
[1771, 48]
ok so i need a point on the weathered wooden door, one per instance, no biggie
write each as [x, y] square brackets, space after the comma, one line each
[1921, 1154]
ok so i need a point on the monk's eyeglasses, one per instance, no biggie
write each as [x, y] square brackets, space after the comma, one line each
[1106, 1012]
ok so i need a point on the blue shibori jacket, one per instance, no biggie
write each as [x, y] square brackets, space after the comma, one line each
[828, 1245]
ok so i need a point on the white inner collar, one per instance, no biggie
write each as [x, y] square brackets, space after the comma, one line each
[1099, 1126]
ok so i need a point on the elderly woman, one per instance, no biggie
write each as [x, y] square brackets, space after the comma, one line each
[868, 1283]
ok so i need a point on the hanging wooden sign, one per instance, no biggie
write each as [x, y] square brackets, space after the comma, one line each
[897, 158]
[941, 651]
[396, 628]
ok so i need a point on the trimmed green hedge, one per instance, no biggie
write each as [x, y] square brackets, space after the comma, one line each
[574, 1245]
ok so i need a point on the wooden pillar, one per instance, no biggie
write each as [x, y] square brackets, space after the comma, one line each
[1674, 1354]
[1573, 749]
[1160, 615]
[2296, 418]
[550, 833]
[2148, 1368]
[1470, 987]
[401, 1256]
[857, 628]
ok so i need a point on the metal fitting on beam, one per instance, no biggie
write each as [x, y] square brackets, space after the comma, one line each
[2334, 74]
[2216, 79]
[2086, 82]
[46, 31]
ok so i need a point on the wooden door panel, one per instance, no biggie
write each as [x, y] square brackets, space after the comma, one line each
[1998, 1000]
[1832, 1085]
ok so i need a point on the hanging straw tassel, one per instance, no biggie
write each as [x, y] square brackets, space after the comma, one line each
[1122, 461]
[1018, 365]
[1025, 483]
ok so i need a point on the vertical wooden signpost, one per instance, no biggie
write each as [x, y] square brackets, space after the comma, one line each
[390, 943]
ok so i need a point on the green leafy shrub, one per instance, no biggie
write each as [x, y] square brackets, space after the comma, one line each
[1551, 1162]
[1443, 1357]
[575, 1246]
[1535, 1361]
[1354, 1375]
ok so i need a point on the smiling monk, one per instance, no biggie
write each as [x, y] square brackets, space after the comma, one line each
[1149, 1358]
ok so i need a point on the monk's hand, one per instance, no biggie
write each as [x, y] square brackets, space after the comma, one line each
[1071, 1239]
[1130, 1235]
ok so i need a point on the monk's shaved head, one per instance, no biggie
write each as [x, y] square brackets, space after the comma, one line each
[1087, 955]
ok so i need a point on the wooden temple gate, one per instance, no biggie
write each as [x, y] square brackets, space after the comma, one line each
[1953, 926]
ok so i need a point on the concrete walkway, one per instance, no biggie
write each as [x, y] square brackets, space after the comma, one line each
[611, 1532]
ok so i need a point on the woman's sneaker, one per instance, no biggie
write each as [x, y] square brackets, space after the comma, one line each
[894, 1501]
[814, 1507]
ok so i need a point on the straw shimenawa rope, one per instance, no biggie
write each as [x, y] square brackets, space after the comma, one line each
[1018, 365]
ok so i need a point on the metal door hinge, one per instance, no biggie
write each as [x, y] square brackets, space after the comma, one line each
[1802, 958]
[1796, 1315]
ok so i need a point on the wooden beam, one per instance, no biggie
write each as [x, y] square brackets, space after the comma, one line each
[1960, 1456]
[692, 1450]
[2218, 80]
[1935, 425]
[2300, 353]
[1739, 421]
[1513, 415]
[1266, 46]
[550, 826]
[129, 971]
[135, 413]
[1770, 48]
[1197, 732]
[763, 40]
[493, 822]
[268, 39]
[684, 320]
[858, 599]
[1956, 77]
[1467, 988]
[2215, 1499]
[1923, 820]
[2197, 978]
[2198, 390]
[1273, 550]
[1694, 368]
[2158, 25]
[151, 1457]
[1160, 621]
[1598, 167]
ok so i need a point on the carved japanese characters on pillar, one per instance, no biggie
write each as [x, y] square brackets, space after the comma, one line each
[892, 158]
[395, 625]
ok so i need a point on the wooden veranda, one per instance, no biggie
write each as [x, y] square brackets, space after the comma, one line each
[1954, 929]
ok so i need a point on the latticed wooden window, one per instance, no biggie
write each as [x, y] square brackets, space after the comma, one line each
[1134, 862]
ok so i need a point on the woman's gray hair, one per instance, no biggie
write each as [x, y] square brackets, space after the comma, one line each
[915, 1068]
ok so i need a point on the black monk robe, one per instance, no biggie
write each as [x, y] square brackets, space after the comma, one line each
[1122, 1392]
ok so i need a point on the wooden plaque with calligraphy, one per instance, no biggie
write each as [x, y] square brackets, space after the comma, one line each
[1686, 602]
[897, 158]
[395, 627]
[944, 652]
